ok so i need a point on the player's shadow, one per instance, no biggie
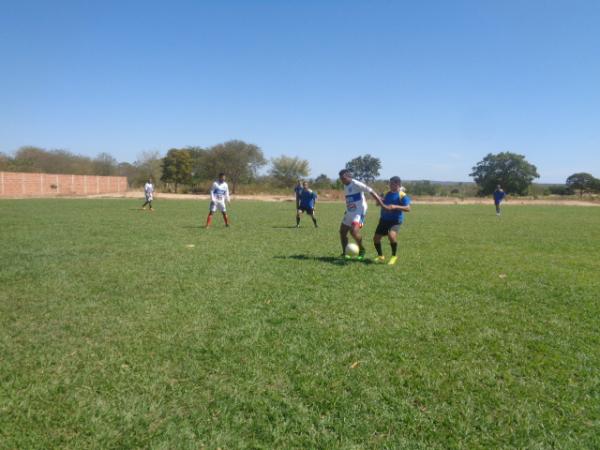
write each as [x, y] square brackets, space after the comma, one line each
[284, 227]
[335, 260]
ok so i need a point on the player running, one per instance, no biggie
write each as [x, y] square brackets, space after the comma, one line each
[499, 195]
[306, 204]
[391, 218]
[219, 194]
[149, 193]
[356, 209]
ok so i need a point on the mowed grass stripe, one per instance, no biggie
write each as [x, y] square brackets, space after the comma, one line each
[115, 333]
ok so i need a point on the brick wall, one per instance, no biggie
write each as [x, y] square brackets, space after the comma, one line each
[19, 184]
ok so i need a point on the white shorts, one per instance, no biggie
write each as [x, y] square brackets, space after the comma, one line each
[218, 206]
[351, 218]
[148, 197]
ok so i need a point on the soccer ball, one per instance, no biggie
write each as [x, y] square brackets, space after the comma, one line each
[352, 249]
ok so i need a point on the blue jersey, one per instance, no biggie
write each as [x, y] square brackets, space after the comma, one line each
[298, 190]
[499, 196]
[394, 198]
[307, 199]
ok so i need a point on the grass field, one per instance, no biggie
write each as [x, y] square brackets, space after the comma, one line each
[115, 334]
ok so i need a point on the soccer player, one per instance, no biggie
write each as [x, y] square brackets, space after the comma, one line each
[356, 209]
[307, 202]
[149, 193]
[391, 218]
[499, 195]
[219, 194]
[298, 191]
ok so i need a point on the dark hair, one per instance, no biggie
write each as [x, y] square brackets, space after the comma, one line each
[222, 174]
[396, 180]
[345, 172]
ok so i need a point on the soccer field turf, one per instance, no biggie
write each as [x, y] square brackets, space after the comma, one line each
[115, 333]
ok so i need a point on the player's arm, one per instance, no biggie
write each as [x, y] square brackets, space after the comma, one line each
[227, 197]
[212, 192]
[404, 205]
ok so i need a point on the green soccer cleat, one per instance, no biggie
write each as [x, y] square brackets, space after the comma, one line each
[361, 255]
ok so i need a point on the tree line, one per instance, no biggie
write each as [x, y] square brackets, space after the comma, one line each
[193, 168]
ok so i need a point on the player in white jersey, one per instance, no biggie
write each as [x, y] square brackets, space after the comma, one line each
[219, 194]
[149, 194]
[356, 209]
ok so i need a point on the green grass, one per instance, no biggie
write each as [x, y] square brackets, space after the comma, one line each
[115, 334]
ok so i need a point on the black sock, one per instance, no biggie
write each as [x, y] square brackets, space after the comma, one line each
[378, 248]
[297, 220]
[394, 246]
[314, 221]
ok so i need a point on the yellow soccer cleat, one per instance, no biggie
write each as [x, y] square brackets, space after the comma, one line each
[380, 259]
[393, 260]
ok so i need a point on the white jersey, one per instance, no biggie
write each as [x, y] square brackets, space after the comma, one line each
[219, 192]
[355, 197]
[149, 190]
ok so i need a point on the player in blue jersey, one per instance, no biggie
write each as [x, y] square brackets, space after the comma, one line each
[396, 203]
[499, 195]
[297, 192]
[306, 204]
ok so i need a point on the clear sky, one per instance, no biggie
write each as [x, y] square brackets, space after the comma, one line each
[429, 87]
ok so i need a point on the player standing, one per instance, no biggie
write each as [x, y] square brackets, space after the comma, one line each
[149, 194]
[499, 195]
[356, 209]
[307, 202]
[298, 191]
[391, 218]
[219, 194]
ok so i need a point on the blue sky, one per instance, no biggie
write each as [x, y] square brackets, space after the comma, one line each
[429, 87]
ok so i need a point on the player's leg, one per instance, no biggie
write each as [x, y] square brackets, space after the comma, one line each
[144, 205]
[377, 243]
[221, 207]
[150, 204]
[211, 210]
[497, 208]
[393, 237]
[355, 232]
[344, 236]
[311, 213]
[298, 212]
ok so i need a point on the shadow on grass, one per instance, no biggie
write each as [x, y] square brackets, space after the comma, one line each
[289, 227]
[194, 227]
[336, 260]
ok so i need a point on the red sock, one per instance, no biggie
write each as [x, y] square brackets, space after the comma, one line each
[208, 219]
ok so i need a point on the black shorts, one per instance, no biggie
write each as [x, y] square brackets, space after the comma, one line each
[308, 211]
[385, 226]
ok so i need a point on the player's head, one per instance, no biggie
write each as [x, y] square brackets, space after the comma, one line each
[221, 177]
[345, 176]
[305, 184]
[299, 183]
[149, 179]
[498, 187]
[395, 184]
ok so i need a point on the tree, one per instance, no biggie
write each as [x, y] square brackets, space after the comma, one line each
[149, 165]
[287, 170]
[238, 159]
[507, 169]
[582, 181]
[177, 167]
[364, 168]
[105, 164]
[322, 182]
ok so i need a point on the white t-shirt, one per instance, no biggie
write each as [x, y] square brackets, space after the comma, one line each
[355, 197]
[149, 189]
[219, 192]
